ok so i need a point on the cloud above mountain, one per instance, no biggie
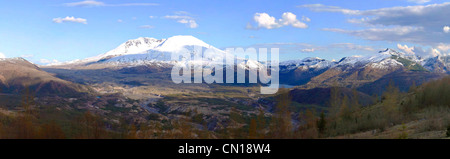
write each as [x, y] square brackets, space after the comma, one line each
[416, 50]
[70, 19]
[146, 26]
[421, 24]
[264, 20]
[309, 48]
[419, 1]
[93, 3]
[183, 18]
[446, 29]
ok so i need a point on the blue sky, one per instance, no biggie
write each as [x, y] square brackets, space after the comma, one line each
[63, 30]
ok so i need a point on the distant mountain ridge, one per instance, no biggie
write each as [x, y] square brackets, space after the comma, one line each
[151, 55]
[151, 51]
[358, 71]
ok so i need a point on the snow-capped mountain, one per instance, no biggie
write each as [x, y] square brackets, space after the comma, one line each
[298, 72]
[437, 64]
[135, 46]
[307, 63]
[352, 70]
[383, 60]
[151, 51]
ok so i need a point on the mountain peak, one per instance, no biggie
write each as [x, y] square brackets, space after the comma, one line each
[178, 42]
[147, 49]
[389, 51]
[140, 42]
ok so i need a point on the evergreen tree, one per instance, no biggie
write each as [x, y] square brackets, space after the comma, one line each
[321, 124]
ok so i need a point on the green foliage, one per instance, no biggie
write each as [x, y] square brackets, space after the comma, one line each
[403, 134]
[436, 93]
[413, 66]
[321, 123]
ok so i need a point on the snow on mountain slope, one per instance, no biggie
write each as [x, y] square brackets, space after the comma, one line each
[307, 63]
[176, 43]
[383, 60]
[136, 46]
[146, 51]
[162, 53]
[386, 64]
[363, 60]
[436, 64]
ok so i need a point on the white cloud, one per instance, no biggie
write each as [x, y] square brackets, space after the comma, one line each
[182, 12]
[435, 52]
[93, 3]
[351, 46]
[306, 19]
[443, 47]
[383, 34]
[177, 17]
[406, 49]
[266, 21]
[70, 19]
[120, 20]
[147, 27]
[152, 17]
[419, 1]
[132, 4]
[308, 50]
[289, 18]
[289, 47]
[431, 52]
[446, 29]
[191, 23]
[87, 3]
[324, 8]
[421, 24]
[2, 55]
[183, 18]
[416, 50]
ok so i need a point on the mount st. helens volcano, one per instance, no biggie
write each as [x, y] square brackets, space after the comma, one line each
[146, 51]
